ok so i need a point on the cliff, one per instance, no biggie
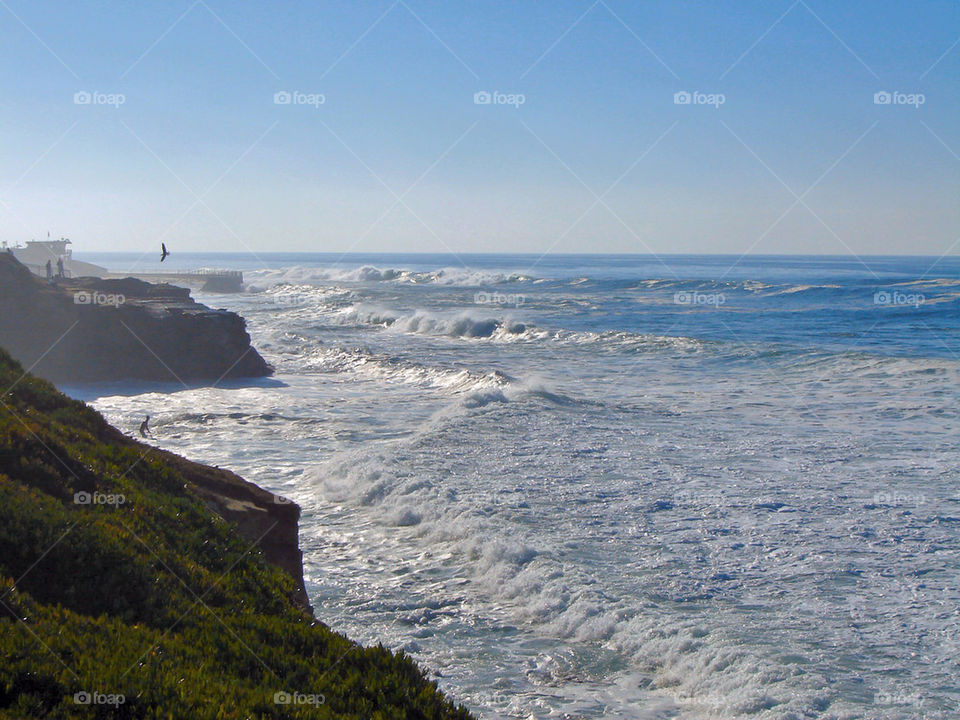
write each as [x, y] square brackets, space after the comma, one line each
[260, 517]
[137, 584]
[89, 330]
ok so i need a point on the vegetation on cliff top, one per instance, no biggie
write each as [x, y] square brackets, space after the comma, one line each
[122, 595]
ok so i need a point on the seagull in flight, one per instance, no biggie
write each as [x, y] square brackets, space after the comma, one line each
[163, 255]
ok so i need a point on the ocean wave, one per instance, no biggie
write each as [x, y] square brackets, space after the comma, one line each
[930, 282]
[792, 289]
[461, 325]
[291, 296]
[307, 276]
[461, 277]
[677, 284]
[476, 389]
[671, 654]
[470, 325]
[392, 369]
[465, 324]
[259, 280]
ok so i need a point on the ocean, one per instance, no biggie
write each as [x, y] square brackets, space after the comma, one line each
[609, 486]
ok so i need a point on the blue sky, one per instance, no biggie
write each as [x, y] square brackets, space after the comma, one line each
[798, 157]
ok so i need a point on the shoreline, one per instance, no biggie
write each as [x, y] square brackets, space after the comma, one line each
[176, 583]
[195, 537]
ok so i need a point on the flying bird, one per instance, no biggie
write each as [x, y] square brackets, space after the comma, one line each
[163, 255]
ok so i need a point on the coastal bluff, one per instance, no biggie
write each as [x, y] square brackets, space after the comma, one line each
[268, 521]
[79, 330]
[137, 584]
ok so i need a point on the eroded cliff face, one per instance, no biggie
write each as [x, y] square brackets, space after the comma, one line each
[59, 446]
[266, 521]
[90, 330]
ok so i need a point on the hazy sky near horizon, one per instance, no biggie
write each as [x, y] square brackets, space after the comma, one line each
[811, 127]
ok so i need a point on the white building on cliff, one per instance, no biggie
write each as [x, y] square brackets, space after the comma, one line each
[37, 252]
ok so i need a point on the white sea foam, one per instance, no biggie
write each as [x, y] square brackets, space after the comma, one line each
[617, 510]
[461, 277]
[679, 657]
[360, 361]
[506, 328]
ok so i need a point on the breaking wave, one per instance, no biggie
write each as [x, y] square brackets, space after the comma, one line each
[504, 329]
[368, 274]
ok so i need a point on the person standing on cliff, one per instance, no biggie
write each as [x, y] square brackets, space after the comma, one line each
[49, 270]
[145, 427]
[59, 268]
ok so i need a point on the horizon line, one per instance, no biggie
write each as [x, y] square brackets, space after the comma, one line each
[527, 254]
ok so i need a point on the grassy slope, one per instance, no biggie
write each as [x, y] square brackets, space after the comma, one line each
[156, 599]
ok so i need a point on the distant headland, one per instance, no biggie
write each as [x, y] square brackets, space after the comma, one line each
[89, 329]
